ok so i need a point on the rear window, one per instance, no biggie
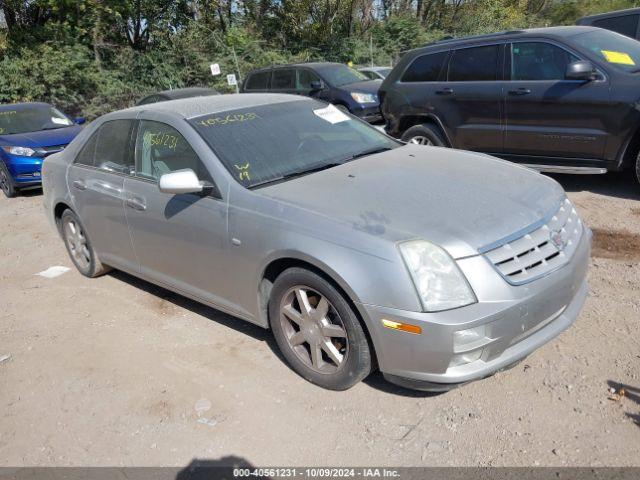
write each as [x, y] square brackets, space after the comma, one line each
[425, 68]
[626, 24]
[258, 81]
[474, 64]
[85, 157]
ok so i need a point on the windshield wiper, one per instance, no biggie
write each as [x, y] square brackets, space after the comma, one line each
[298, 173]
[371, 151]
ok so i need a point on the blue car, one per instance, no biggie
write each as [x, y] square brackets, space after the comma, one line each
[29, 132]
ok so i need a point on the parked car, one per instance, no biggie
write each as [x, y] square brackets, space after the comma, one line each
[176, 94]
[558, 99]
[621, 21]
[286, 212]
[375, 73]
[336, 83]
[29, 132]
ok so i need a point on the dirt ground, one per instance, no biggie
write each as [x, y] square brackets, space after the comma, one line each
[115, 371]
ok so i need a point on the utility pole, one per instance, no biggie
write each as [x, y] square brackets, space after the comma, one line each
[235, 59]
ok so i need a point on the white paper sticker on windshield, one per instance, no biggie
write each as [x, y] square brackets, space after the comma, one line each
[331, 114]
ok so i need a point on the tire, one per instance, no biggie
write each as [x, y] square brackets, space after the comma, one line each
[6, 182]
[424, 135]
[341, 355]
[79, 246]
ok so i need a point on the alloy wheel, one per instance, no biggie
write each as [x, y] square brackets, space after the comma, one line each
[77, 243]
[4, 182]
[420, 140]
[314, 330]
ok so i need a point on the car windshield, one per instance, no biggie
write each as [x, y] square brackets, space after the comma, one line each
[31, 118]
[271, 143]
[615, 49]
[339, 75]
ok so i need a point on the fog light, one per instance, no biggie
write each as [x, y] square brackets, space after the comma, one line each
[468, 339]
[464, 358]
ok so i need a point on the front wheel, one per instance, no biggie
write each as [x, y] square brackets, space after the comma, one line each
[79, 247]
[6, 183]
[423, 135]
[317, 331]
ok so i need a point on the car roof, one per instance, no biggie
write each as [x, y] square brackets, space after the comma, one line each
[317, 65]
[21, 105]
[615, 13]
[197, 106]
[186, 92]
[555, 32]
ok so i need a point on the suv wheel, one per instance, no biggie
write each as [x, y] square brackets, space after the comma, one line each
[6, 182]
[423, 135]
[79, 247]
[317, 331]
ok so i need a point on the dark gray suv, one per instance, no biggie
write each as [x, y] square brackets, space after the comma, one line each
[564, 99]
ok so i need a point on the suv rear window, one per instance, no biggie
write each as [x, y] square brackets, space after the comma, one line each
[626, 24]
[474, 64]
[425, 68]
[258, 81]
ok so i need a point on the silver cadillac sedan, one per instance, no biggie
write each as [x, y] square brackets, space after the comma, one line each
[436, 266]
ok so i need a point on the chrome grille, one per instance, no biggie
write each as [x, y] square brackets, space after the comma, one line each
[540, 251]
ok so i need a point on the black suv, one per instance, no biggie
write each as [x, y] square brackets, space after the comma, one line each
[621, 21]
[564, 99]
[348, 89]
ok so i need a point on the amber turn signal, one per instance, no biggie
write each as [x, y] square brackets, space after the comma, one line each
[405, 327]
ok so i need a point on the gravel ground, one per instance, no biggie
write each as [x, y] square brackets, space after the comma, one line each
[115, 371]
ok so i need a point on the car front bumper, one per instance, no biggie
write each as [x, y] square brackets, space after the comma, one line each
[368, 114]
[517, 320]
[25, 171]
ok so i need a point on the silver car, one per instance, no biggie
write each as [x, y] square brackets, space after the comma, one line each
[436, 266]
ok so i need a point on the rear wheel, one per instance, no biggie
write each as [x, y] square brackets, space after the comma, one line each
[423, 135]
[79, 247]
[6, 182]
[317, 331]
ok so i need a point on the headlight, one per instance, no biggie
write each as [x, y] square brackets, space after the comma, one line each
[364, 97]
[21, 151]
[438, 280]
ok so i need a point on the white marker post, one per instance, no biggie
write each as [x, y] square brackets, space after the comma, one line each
[232, 81]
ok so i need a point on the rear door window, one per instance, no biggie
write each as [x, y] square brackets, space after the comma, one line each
[283, 79]
[258, 81]
[86, 155]
[539, 61]
[626, 24]
[113, 151]
[475, 64]
[425, 68]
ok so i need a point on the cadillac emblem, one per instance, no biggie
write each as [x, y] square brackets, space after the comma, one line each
[557, 239]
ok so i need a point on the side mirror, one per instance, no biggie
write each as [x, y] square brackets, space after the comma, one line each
[79, 120]
[316, 85]
[580, 70]
[180, 181]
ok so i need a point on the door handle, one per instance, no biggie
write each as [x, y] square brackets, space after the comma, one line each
[520, 91]
[80, 185]
[445, 91]
[136, 204]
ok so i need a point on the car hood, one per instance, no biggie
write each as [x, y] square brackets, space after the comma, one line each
[459, 200]
[366, 86]
[43, 138]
